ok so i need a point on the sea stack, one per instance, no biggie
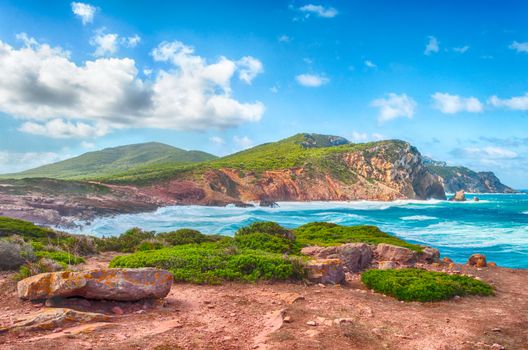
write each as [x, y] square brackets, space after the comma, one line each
[459, 196]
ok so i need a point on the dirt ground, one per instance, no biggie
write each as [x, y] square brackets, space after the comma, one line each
[286, 316]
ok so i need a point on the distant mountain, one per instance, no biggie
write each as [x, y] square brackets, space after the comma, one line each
[456, 178]
[115, 160]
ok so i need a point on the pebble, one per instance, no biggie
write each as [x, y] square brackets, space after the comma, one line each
[233, 314]
[311, 323]
[287, 319]
[496, 330]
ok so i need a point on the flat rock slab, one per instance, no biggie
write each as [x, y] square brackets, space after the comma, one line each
[48, 319]
[108, 284]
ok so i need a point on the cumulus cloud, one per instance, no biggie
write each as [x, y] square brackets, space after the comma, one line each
[105, 44]
[57, 128]
[364, 137]
[242, 142]
[484, 153]
[131, 41]
[12, 162]
[319, 10]
[519, 103]
[249, 68]
[450, 104]
[432, 46]
[519, 47]
[394, 106]
[84, 11]
[311, 80]
[49, 90]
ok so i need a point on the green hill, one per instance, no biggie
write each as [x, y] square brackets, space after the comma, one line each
[313, 151]
[115, 160]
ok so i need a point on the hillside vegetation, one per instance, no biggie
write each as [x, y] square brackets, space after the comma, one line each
[115, 160]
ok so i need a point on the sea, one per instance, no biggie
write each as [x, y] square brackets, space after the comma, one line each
[496, 225]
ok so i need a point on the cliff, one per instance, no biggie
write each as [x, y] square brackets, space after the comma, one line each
[305, 167]
[456, 178]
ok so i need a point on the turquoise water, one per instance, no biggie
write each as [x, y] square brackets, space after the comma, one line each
[497, 226]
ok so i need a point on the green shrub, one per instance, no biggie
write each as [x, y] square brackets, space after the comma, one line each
[61, 257]
[43, 265]
[267, 227]
[26, 229]
[213, 263]
[150, 244]
[187, 236]
[422, 285]
[14, 253]
[265, 242]
[328, 234]
[127, 242]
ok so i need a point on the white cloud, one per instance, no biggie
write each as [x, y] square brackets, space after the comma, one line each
[284, 39]
[87, 145]
[242, 142]
[461, 49]
[311, 80]
[248, 68]
[432, 46]
[105, 44]
[217, 140]
[519, 47]
[485, 152]
[131, 41]
[519, 103]
[57, 128]
[84, 11]
[53, 93]
[394, 106]
[370, 64]
[364, 137]
[451, 104]
[321, 11]
[11, 162]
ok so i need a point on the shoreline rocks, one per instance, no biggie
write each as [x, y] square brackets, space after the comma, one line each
[477, 260]
[460, 196]
[354, 256]
[108, 284]
[325, 271]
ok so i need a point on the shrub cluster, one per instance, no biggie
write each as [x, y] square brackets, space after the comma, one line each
[422, 285]
[329, 234]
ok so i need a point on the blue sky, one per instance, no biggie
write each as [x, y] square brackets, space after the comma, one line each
[448, 76]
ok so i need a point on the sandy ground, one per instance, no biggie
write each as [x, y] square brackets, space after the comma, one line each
[281, 316]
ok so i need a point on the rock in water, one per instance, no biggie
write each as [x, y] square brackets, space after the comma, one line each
[325, 271]
[109, 284]
[477, 260]
[460, 196]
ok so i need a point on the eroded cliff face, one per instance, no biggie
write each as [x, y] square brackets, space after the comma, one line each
[383, 172]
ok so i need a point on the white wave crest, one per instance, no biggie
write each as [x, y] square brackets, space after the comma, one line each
[418, 218]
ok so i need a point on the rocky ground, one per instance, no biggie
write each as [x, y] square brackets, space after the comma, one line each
[284, 316]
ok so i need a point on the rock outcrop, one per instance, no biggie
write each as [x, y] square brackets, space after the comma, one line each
[355, 256]
[477, 260]
[325, 271]
[389, 252]
[49, 319]
[459, 196]
[109, 284]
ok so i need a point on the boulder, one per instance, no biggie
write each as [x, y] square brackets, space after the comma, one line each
[429, 255]
[355, 256]
[48, 319]
[109, 284]
[325, 271]
[447, 260]
[389, 252]
[477, 260]
[386, 265]
[460, 196]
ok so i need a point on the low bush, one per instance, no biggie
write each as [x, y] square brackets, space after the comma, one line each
[14, 253]
[422, 285]
[127, 242]
[186, 236]
[43, 265]
[267, 227]
[266, 242]
[213, 262]
[328, 234]
[61, 257]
